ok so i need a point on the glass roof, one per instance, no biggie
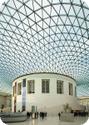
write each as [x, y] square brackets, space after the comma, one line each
[44, 36]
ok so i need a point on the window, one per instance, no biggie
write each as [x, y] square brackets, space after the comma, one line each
[19, 88]
[45, 85]
[14, 90]
[70, 89]
[75, 91]
[31, 86]
[24, 82]
[59, 87]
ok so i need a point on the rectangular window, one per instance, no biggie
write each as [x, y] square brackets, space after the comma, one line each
[45, 85]
[24, 82]
[70, 89]
[60, 89]
[19, 88]
[14, 89]
[31, 86]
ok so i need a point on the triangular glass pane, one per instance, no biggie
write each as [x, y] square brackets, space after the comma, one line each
[53, 12]
[63, 18]
[80, 14]
[65, 30]
[5, 11]
[77, 9]
[45, 15]
[76, 22]
[85, 35]
[29, 4]
[34, 27]
[31, 22]
[67, 8]
[62, 37]
[68, 21]
[41, 24]
[83, 24]
[62, 11]
[54, 1]
[40, 2]
[78, 1]
[18, 17]
[72, 11]
[28, 10]
[72, 19]
[79, 32]
[55, 19]
[6, 18]
[37, 18]
[33, 31]
[12, 11]
[71, 30]
[46, 23]
[22, 9]
[36, 5]
[52, 23]
[39, 28]
[45, 2]
[59, 21]
[57, 8]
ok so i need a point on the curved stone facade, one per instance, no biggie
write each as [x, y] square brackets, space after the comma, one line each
[47, 92]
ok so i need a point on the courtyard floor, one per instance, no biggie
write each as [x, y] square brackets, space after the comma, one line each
[52, 120]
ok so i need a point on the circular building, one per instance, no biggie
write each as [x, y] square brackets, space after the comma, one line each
[48, 92]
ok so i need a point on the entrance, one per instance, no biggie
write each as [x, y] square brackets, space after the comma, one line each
[34, 111]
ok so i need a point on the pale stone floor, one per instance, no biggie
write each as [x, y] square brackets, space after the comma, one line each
[52, 120]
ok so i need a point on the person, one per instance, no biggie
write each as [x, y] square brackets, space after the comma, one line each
[1, 110]
[59, 115]
[28, 115]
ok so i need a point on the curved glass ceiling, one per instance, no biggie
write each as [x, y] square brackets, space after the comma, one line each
[45, 36]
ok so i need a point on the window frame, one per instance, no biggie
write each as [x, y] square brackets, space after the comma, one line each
[46, 86]
[31, 86]
[71, 89]
[19, 86]
[60, 86]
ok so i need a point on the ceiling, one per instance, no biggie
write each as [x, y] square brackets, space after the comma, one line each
[44, 36]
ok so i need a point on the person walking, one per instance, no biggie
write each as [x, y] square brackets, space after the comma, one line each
[59, 115]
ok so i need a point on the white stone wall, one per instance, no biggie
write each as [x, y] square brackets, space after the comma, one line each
[50, 102]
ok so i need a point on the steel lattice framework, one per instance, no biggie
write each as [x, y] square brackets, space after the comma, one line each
[45, 36]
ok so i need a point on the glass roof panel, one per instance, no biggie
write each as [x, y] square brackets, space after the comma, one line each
[45, 36]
